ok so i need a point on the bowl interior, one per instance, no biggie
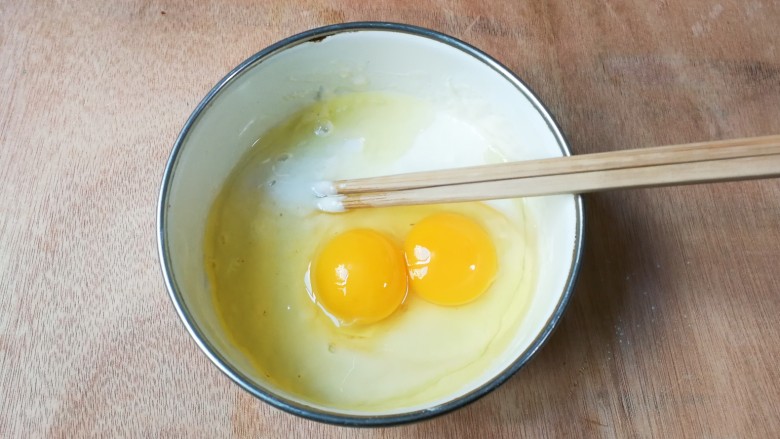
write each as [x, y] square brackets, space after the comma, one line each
[274, 84]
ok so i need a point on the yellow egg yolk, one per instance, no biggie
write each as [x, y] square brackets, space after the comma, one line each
[450, 258]
[359, 277]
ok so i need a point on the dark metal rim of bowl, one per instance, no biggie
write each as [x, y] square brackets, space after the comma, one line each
[302, 410]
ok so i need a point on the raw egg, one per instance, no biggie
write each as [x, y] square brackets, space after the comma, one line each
[359, 277]
[356, 310]
[451, 259]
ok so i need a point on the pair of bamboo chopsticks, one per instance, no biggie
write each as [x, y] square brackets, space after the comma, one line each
[756, 157]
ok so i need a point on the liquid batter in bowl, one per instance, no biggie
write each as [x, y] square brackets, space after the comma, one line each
[264, 232]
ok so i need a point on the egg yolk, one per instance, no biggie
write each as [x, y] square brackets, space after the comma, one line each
[450, 258]
[359, 277]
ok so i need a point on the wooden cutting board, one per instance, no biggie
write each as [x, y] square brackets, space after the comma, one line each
[673, 330]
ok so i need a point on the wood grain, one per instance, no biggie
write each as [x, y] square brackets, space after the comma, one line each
[673, 328]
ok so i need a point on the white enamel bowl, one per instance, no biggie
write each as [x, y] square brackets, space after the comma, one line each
[287, 76]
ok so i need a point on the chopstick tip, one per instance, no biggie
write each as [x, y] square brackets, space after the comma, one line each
[324, 188]
[331, 204]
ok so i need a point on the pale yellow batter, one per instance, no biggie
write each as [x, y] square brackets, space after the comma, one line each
[264, 230]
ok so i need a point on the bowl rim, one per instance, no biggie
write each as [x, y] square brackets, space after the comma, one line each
[302, 410]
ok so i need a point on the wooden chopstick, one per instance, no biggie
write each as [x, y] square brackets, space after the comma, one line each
[633, 158]
[660, 166]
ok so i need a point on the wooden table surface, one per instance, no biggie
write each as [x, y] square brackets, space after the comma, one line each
[673, 330]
